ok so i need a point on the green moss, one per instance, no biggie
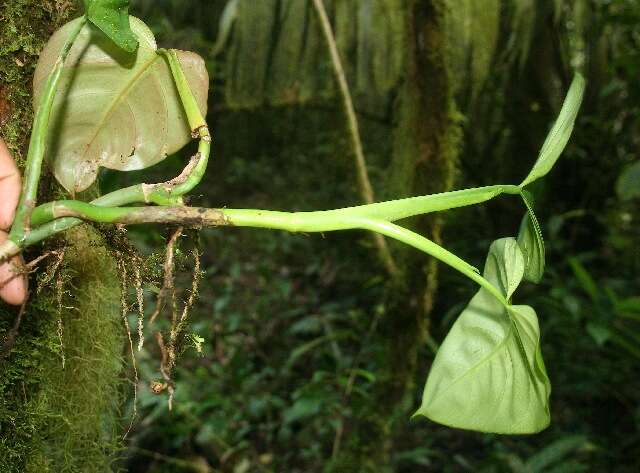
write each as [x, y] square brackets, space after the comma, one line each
[25, 27]
[55, 418]
[66, 418]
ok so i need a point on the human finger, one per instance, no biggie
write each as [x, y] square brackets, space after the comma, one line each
[13, 278]
[10, 186]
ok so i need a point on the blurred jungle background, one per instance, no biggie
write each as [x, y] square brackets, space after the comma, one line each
[304, 353]
[310, 358]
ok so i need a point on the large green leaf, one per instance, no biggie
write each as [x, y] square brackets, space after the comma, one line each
[488, 375]
[112, 17]
[411, 206]
[560, 132]
[114, 109]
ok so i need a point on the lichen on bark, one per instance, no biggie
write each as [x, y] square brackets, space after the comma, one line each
[52, 417]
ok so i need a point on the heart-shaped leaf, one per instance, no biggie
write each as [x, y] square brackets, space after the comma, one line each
[531, 243]
[114, 109]
[489, 375]
[112, 17]
[560, 132]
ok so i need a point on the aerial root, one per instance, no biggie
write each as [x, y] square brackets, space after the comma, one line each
[125, 310]
[131, 267]
[167, 352]
[169, 348]
[137, 265]
[177, 329]
[168, 283]
[165, 370]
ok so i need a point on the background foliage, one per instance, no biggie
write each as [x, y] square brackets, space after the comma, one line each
[291, 354]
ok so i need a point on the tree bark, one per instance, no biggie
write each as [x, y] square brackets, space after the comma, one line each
[425, 150]
[60, 386]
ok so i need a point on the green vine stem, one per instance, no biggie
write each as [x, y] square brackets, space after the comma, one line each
[37, 144]
[325, 220]
[54, 216]
[308, 222]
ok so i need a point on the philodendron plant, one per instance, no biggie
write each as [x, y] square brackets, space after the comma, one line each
[106, 96]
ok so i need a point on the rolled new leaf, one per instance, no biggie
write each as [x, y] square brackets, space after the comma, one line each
[489, 375]
[115, 109]
[560, 132]
[531, 243]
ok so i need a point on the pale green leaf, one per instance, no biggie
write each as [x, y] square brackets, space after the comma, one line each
[489, 374]
[506, 262]
[114, 109]
[560, 132]
[532, 244]
[532, 247]
[112, 17]
[403, 208]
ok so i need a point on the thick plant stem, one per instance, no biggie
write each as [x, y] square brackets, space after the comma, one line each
[307, 222]
[37, 146]
[364, 183]
[55, 217]
[194, 117]
[388, 211]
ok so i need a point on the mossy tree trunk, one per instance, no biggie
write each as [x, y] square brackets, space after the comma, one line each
[426, 139]
[60, 384]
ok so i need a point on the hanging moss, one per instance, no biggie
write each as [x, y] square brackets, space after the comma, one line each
[55, 418]
[250, 53]
[472, 30]
[61, 387]
[284, 84]
[278, 54]
[523, 24]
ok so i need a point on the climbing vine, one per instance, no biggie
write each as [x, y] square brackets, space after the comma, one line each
[106, 96]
